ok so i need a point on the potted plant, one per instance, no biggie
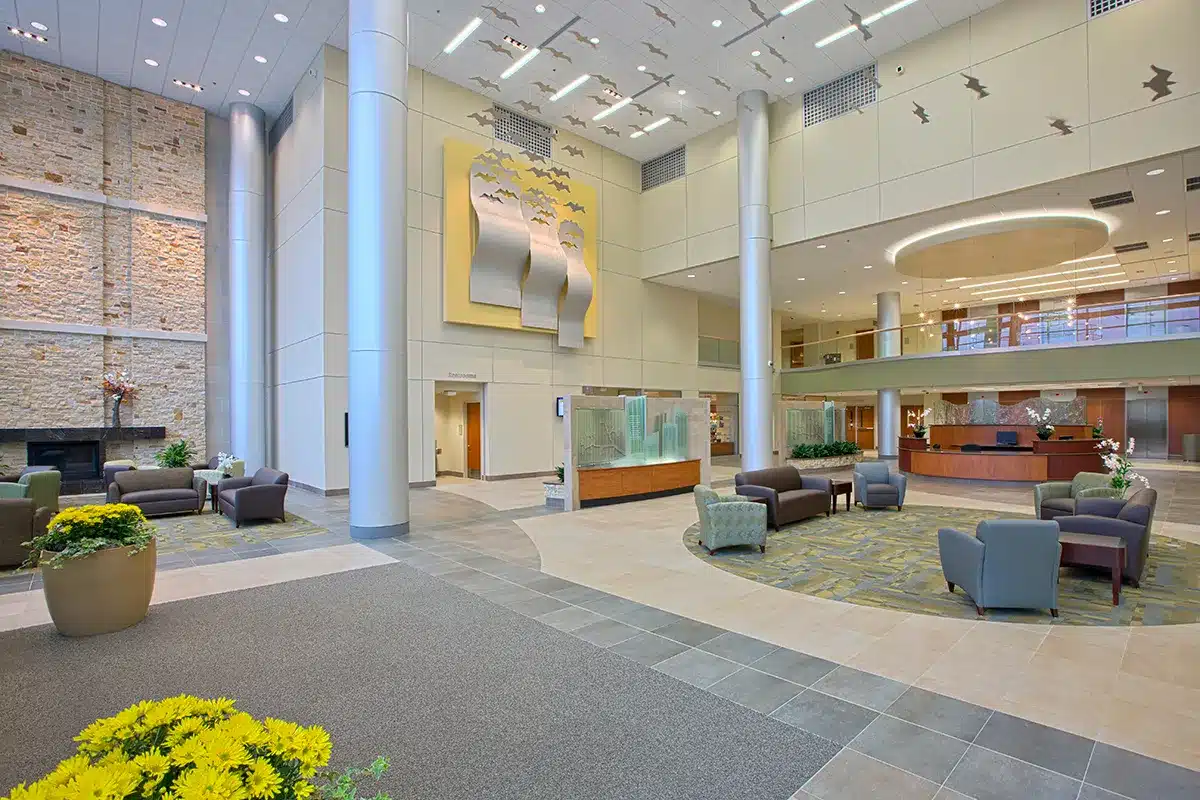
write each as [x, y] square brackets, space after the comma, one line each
[916, 421]
[1041, 423]
[98, 566]
[179, 454]
[825, 455]
[186, 747]
[556, 490]
[117, 386]
[1119, 465]
[1098, 429]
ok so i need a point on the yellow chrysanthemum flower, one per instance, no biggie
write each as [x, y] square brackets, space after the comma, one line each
[263, 781]
[219, 750]
[22, 792]
[153, 764]
[209, 783]
[244, 728]
[183, 729]
[302, 789]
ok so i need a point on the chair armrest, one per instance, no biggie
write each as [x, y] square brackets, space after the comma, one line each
[724, 514]
[770, 494]
[200, 486]
[41, 520]
[233, 483]
[816, 482]
[1099, 506]
[1100, 491]
[13, 491]
[900, 481]
[860, 486]
[962, 560]
[269, 496]
[114, 493]
[1052, 490]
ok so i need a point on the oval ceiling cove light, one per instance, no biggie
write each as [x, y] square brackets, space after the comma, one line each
[594, 40]
[641, 67]
[539, 8]
[1155, 172]
[1162, 213]
[682, 92]
[243, 93]
[150, 62]
[281, 17]
[788, 79]
[159, 21]
[260, 59]
[39, 26]
[716, 23]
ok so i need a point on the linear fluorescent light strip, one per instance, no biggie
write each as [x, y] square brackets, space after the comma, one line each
[462, 35]
[570, 87]
[1047, 283]
[1088, 258]
[1037, 277]
[613, 109]
[656, 124]
[522, 61]
[1052, 291]
[636, 134]
[796, 6]
[871, 20]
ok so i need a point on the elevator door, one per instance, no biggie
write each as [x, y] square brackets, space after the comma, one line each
[1146, 423]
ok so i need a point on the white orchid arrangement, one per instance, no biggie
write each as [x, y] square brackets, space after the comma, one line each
[916, 421]
[1119, 465]
[225, 461]
[1098, 428]
[1041, 420]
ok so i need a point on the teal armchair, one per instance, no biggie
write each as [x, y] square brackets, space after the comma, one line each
[729, 521]
[41, 487]
[1008, 563]
[1057, 498]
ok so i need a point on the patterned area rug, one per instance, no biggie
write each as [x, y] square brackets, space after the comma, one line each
[889, 559]
[193, 533]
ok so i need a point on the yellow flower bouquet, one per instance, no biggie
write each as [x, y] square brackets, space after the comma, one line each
[188, 748]
[82, 530]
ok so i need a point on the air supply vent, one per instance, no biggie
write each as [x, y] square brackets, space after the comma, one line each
[282, 123]
[847, 93]
[1130, 248]
[521, 131]
[1193, 184]
[1194, 237]
[1098, 7]
[1110, 200]
[664, 169]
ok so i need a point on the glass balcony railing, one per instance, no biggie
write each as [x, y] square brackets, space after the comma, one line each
[716, 352]
[1106, 322]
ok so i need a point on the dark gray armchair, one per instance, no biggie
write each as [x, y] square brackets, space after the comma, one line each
[257, 497]
[876, 486]
[1008, 563]
[1130, 520]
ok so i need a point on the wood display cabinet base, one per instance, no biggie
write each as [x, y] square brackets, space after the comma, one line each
[602, 485]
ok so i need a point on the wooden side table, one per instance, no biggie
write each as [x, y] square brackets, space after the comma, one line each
[1089, 550]
[839, 488]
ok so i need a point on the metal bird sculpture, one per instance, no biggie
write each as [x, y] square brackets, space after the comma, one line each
[482, 120]
[485, 177]
[500, 155]
[758, 12]
[544, 88]
[920, 113]
[655, 51]
[569, 244]
[605, 82]
[559, 54]
[610, 131]
[579, 37]
[486, 84]
[654, 76]
[638, 128]
[777, 54]
[497, 48]
[857, 21]
[507, 193]
[721, 83]
[707, 111]
[759, 69]
[541, 173]
[600, 101]
[560, 172]
[1061, 126]
[576, 121]
[534, 156]
[576, 207]
[643, 110]
[571, 149]
[528, 106]
[562, 187]
[492, 197]
[975, 86]
[1160, 84]
[677, 118]
[541, 221]
[500, 15]
[658, 12]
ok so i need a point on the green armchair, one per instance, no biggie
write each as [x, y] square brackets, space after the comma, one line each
[729, 521]
[40, 487]
[1057, 498]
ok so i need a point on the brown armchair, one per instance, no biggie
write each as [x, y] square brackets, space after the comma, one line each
[19, 522]
[789, 496]
[258, 497]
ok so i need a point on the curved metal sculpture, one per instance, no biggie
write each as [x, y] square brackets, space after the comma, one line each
[578, 296]
[547, 262]
[502, 246]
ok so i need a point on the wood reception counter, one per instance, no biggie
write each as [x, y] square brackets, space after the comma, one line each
[1031, 460]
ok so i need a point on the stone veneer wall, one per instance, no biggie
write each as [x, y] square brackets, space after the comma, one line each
[102, 242]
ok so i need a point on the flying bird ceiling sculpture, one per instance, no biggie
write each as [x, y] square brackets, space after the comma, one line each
[1160, 84]
[975, 86]
[920, 113]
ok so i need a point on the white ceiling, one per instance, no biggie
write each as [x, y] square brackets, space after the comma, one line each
[213, 43]
[840, 265]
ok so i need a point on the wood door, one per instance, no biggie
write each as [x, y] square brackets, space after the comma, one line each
[864, 345]
[474, 444]
[866, 427]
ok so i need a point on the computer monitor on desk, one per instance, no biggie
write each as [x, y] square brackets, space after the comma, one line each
[1006, 438]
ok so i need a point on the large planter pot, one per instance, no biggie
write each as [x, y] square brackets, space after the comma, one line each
[833, 462]
[101, 593]
[556, 494]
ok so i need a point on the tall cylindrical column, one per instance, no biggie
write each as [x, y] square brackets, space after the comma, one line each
[377, 268]
[754, 268]
[248, 284]
[887, 344]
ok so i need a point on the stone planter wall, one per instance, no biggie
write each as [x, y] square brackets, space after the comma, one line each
[824, 464]
[556, 494]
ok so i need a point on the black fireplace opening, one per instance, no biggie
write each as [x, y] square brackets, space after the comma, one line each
[77, 461]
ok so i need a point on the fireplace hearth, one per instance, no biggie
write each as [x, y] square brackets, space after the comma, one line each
[78, 453]
[77, 461]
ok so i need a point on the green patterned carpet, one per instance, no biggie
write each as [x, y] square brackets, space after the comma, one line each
[889, 559]
[192, 533]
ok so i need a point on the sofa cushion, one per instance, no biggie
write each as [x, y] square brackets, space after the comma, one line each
[159, 496]
[146, 479]
[882, 490]
[1061, 505]
[781, 479]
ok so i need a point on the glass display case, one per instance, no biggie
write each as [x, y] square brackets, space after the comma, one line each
[824, 424]
[624, 437]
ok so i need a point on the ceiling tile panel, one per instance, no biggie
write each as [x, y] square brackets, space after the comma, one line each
[77, 31]
[116, 38]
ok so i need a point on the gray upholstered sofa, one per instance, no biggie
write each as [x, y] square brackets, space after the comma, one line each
[790, 496]
[1008, 563]
[1130, 520]
[876, 486]
[159, 491]
[729, 521]
[258, 497]
[1057, 498]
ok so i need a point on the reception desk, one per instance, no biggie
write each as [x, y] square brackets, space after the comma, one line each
[1053, 460]
[949, 436]
[599, 485]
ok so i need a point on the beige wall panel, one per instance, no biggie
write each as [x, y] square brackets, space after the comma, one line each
[712, 198]
[518, 429]
[467, 362]
[621, 170]
[335, 276]
[788, 226]
[935, 188]
[416, 131]
[842, 213]
[301, 147]
[621, 260]
[336, 354]
[336, 67]
[433, 134]
[620, 372]
[335, 192]
[337, 119]
[621, 316]
[841, 155]
[578, 369]
[416, 88]
[522, 366]
[299, 282]
[416, 275]
[337, 455]
[1045, 79]
[1031, 163]
[1165, 128]
[669, 375]
[619, 215]
[664, 214]
[786, 189]
[939, 54]
[712, 147]
[412, 209]
[301, 361]
[669, 322]
[717, 318]
[303, 206]
[431, 213]
[712, 379]
[420, 426]
[1015, 23]
[907, 146]
[592, 160]
[786, 117]
[300, 406]
[452, 103]
[668, 258]
[717, 245]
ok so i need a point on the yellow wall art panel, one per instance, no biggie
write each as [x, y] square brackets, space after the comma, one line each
[520, 244]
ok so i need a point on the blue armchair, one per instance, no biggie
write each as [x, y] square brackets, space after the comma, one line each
[1008, 563]
[729, 521]
[876, 486]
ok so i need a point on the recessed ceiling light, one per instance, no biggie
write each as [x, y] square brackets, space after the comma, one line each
[637, 134]
[799, 279]
[151, 62]
[159, 21]
[822, 246]
[716, 113]
[691, 275]
[839, 315]
[716, 23]
[462, 35]
[785, 302]
[641, 67]
[842, 292]
[869, 266]
[1162, 213]
[187, 85]
[1171, 261]
[613, 109]
[281, 17]
[1172, 271]
[594, 40]
[1154, 172]
[1021, 299]
[539, 8]
[788, 79]
[904, 283]
[39, 26]
[37, 37]
[1168, 241]
[658, 123]
[260, 59]
[682, 91]
[570, 87]
[957, 305]
[796, 6]
[243, 93]
[756, 53]
[933, 295]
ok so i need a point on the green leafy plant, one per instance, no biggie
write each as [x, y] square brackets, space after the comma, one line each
[82, 530]
[179, 454]
[344, 785]
[825, 450]
[1098, 429]
[561, 472]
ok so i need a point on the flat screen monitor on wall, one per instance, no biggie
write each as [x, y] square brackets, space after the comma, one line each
[559, 406]
[1006, 438]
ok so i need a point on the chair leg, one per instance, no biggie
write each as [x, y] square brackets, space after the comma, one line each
[762, 548]
[1054, 613]
[979, 610]
[899, 508]
[950, 586]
